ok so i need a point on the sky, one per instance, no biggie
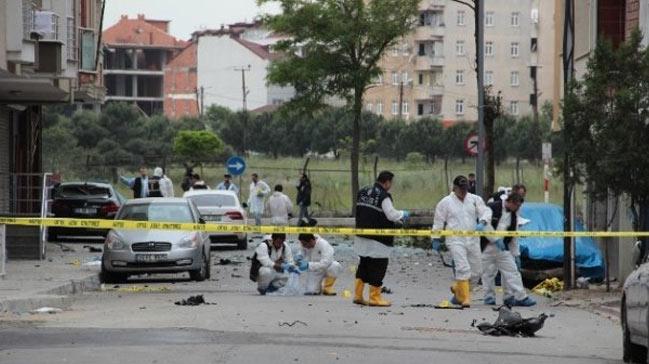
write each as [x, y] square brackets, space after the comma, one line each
[187, 16]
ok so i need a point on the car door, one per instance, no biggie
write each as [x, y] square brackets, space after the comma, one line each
[637, 304]
[205, 237]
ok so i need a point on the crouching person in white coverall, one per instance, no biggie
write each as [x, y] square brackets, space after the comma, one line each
[497, 255]
[276, 261]
[460, 211]
[317, 258]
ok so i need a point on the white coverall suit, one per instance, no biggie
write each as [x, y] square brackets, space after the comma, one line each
[267, 274]
[453, 214]
[280, 207]
[258, 192]
[494, 260]
[321, 264]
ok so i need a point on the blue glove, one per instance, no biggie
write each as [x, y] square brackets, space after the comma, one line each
[303, 265]
[293, 269]
[480, 227]
[299, 258]
[437, 244]
[406, 215]
[500, 243]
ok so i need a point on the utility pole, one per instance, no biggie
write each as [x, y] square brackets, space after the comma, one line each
[202, 101]
[480, 161]
[568, 74]
[245, 92]
[401, 99]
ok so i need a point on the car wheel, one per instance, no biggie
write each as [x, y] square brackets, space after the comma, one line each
[200, 274]
[208, 265]
[112, 277]
[243, 244]
[632, 353]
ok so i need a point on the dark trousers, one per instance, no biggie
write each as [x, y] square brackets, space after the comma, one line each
[372, 270]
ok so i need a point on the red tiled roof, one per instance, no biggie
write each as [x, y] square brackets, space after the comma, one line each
[270, 108]
[139, 32]
[262, 51]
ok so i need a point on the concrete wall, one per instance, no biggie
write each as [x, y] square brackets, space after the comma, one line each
[3, 35]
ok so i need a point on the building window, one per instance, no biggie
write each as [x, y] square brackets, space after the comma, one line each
[405, 49]
[534, 44]
[404, 77]
[460, 17]
[395, 107]
[514, 80]
[488, 78]
[489, 19]
[459, 77]
[459, 48]
[422, 49]
[379, 107]
[72, 39]
[405, 110]
[513, 21]
[459, 107]
[489, 48]
[369, 107]
[513, 107]
[395, 51]
[395, 78]
[378, 80]
[513, 49]
[421, 78]
[420, 109]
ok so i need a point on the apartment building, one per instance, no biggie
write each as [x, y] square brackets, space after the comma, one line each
[136, 52]
[181, 95]
[431, 72]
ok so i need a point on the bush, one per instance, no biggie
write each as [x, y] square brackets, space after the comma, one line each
[414, 159]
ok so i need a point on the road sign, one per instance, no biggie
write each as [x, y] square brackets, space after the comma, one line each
[471, 144]
[547, 152]
[235, 165]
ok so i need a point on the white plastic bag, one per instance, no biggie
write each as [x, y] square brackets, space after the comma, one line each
[293, 287]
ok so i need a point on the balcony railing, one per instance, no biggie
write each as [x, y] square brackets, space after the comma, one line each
[40, 23]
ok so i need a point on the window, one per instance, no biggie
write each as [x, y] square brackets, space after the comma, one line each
[459, 48]
[489, 19]
[488, 78]
[460, 17]
[395, 78]
[513, 49]
[369, 107]
[379, 107]
[421, 78]
[405, 49]
[534, 45]
[405, 108]
[378, 80]
[88, 46]
[420, 109]
[395, 107]
[514, 80]
[72, 39]
[513, 20]
[459, 107]
[404, 77]
[395, 51]
[513, 107]
[489, 48]
[422, 49]
[459, 77]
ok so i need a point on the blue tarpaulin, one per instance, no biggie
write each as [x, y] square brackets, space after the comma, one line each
[549, 217]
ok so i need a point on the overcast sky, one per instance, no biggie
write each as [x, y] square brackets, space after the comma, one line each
[186, 16]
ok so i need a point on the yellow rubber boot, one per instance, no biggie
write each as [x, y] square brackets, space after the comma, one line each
[376, 299]
[328, 286]
[465, 297]
[359, 287]
[458, 294]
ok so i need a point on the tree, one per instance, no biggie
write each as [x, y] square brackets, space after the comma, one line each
[197, 146]
[333, 48]
[609, 110]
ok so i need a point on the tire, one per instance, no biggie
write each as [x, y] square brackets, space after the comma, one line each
[243, 244]
[112, 277]
[202, 273]
[632, 353]
[208, 265]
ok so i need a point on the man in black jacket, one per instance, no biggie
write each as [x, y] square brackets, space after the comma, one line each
[304, 197]
[139, 184]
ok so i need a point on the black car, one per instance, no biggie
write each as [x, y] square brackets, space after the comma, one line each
[83, 200]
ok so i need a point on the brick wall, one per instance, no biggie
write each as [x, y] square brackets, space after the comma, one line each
[180, 85]
[632, 20]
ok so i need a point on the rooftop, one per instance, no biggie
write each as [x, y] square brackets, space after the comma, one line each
[141, 32]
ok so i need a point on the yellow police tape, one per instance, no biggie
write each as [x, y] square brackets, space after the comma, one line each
[235, 228]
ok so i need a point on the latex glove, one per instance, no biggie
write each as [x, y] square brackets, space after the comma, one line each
[500, 243]
[437, 244]
[299, 258]
[406, 215]
[303, 265]
[481, 226]
[293, 269]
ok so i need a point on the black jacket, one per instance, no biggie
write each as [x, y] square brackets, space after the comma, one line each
[304, 193]
[137, 188]
[370, 215]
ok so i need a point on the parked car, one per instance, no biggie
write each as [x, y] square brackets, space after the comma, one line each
[83, 200]
[635, 315]
[221, 207]
[129, 252]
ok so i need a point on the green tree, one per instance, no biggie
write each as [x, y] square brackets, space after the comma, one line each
[333, 48]
[197, 146]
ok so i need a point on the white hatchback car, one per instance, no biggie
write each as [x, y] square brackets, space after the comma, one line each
[221, 207]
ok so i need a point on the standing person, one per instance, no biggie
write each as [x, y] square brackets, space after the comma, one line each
[186, 184]
[317, 258]
[227, 184]
[166, 185]
[460, 211]
[274, 260]
[374, 210]
[139, 184]
[304, 198]
[198, 183]
[472, 183]
[280, 207]
[258, 192]
[497, 255]
[154, 183]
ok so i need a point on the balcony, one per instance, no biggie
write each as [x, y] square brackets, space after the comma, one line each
[424, 63]
[428, 92]
[41, 24]
[428, 32]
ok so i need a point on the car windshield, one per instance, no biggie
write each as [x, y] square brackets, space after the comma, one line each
[165, 212]
[214, 200]
[81, 191]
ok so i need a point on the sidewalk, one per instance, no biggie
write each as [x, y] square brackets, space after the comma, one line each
[31, 284]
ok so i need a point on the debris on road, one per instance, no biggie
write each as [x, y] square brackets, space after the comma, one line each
[548, 287]
[226, 261]
[446, 305]
[92, 249]
[511, 323]
[193, 301]
[291, 324]
[136, 289]
[386, 290]
[420, 305]
[583, 282]
[50, 310]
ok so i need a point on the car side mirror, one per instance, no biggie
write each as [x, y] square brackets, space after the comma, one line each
[201, 220]
[244, 205]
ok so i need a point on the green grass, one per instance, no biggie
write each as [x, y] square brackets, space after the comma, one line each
[417, 186]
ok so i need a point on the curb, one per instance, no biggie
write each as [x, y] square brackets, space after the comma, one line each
[59, 297]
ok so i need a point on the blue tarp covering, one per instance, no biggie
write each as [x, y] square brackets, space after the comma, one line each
[549, 217]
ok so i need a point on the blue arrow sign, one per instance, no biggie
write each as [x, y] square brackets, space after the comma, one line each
[235, 165]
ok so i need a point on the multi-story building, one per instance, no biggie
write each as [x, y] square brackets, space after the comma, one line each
[136, 52]
[180, 91]
[431, 72]
[227, 57]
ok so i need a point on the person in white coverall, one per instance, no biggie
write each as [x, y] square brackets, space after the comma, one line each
[280, 207]
[258, 192]
[276, 261]
[462, 211]
[317, 259]
[166, 186]
[497, 255]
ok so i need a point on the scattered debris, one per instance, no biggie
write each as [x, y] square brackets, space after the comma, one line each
[65, 248]
[511, 323]
[235, 275]
[420, 305]
[92, 249]
[50, 310]
[291, 324]
[193, 301]
[138, 289]
[548, 287]
[386, 290]
[583, 282]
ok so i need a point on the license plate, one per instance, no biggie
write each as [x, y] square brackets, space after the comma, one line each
[150, 258]
[213, 218]
[85, 211]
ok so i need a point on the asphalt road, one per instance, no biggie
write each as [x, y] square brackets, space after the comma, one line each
[138, 322]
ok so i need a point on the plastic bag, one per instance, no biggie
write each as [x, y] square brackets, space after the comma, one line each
[293, 287]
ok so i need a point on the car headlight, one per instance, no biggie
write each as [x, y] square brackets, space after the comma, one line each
[113, 242]
[190, 241]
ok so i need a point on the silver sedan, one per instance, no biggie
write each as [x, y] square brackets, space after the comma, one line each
[130, 252]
